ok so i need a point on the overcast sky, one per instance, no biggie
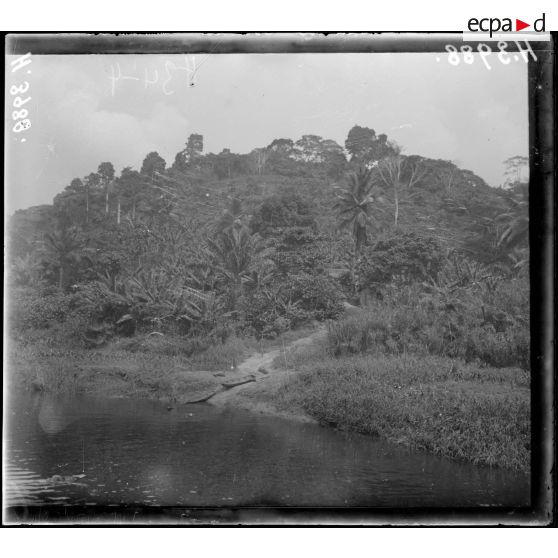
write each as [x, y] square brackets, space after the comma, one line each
[83, 111]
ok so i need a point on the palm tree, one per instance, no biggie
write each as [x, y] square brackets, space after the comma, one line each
[516, 221]
[231, 216]
[63, 247]
[232, 253]
[354, 205]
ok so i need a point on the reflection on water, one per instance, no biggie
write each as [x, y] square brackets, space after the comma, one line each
[113, 451]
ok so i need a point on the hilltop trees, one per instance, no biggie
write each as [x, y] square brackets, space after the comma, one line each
[516, 170]
[365, 147]
[130, 186]
[252, 241]
[91, 182]
[190, 154]
[72, 203]
[153, 164]
[258, 160]
[106, 174]
[229, 165]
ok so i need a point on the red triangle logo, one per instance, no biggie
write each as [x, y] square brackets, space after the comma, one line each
[519, 25]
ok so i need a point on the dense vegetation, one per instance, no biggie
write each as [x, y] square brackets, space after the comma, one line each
[218, 250]
[257, 244]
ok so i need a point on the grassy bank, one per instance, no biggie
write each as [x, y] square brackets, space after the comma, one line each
[433, 403]
[360, 375]
[157, 367]
[163, 367]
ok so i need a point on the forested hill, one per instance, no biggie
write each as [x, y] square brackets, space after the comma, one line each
[435, 196]
[259, 243]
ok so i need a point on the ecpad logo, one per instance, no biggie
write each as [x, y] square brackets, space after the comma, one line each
[496, 25]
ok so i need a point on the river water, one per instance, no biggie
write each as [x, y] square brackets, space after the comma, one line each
[110, 452]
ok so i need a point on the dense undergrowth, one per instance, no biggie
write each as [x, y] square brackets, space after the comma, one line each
[490, 328]
[447, 375]
[434, 403]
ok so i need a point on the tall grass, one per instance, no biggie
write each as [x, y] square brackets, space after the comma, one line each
[429, 328]
[401, 373]
[144, 366]
[429, 403]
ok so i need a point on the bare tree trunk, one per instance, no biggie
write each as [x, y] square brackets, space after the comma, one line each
[61, 277]
[450, 182]
[87, 205]
[106, 200]
[396, 199]
[118, 212]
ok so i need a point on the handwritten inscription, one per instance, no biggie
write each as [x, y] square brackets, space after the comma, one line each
[19, 92]
[167, 78]
[465, 54]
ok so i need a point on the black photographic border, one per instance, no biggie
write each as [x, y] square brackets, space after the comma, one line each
[542, 105]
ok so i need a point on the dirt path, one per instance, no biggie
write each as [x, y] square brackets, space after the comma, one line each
[256, 395]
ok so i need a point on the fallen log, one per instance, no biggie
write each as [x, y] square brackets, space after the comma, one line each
[203, 398]
[238, 381]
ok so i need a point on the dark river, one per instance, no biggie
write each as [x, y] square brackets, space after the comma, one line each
[109, 452]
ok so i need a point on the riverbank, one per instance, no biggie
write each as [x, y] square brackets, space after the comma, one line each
[434, 404]
[146, 366]
[431, 403]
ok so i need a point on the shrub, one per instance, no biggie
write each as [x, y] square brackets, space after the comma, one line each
[278, 211]
[402, 259]
[30, 309]
[97, 300]
[297, 250]
[267, 313]
[470, 325]
[272, 310]
[357, 334]
[499, 349]
[317, 295]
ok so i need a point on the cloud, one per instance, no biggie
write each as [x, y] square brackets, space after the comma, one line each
[464, 113]
[72, 134]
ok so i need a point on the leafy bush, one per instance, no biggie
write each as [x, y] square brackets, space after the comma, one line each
[276, 212]
[100, 302]
[499, 349]
[30, 309]
[401, 260]
[268, 313]
[271, 310]
[156, 298]
[298, 250]
[357, 334]
[491, 327]
[317, 295]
